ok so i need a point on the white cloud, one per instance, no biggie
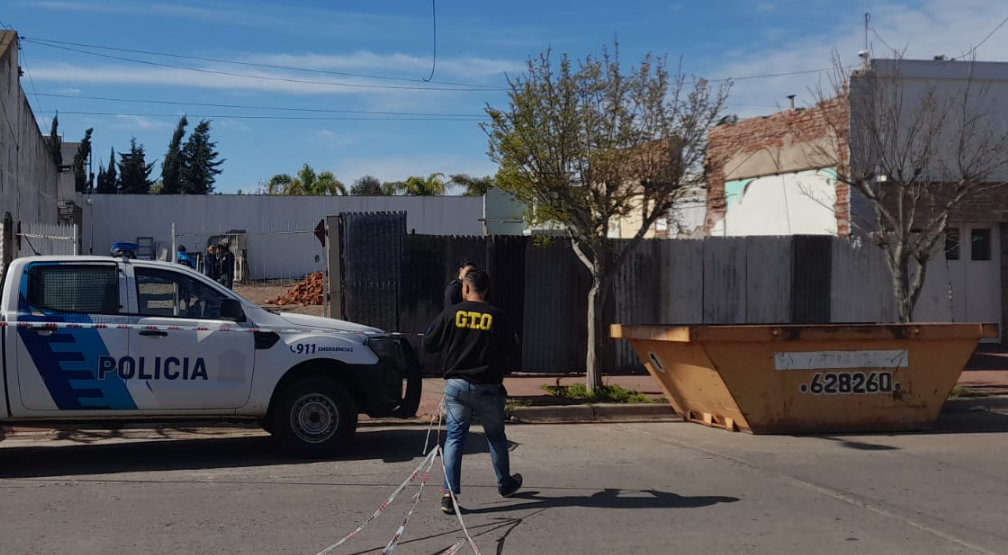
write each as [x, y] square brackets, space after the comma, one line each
[227, 76]
[231, 124]
[329, 139]
[287, 17]
[388, 64]
[938, 27]
[68, 90]
[131, 121]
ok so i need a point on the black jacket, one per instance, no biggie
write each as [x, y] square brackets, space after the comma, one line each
[475, 338]
[452, 293]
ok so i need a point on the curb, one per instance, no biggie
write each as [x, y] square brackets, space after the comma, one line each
[554, 414]
[658, 412]
[976, 404]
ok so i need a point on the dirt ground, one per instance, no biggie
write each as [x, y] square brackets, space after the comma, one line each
[262, 294]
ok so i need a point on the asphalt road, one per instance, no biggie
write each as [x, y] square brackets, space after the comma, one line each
[598, 488]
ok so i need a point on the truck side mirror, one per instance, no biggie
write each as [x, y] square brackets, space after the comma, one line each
[231, 309]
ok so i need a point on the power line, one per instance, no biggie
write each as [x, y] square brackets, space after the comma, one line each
[284, 118]
[434, 61]
[51, 43]
[769, 75]
[24, 60]
[985, 39]
[65, 45]
[879, 37]
[254, 107]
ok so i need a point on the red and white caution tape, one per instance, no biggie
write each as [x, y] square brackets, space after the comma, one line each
[383, 506]
[390, 547]
[435, 453]
[231, 329]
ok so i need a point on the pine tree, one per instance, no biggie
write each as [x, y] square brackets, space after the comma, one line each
[81, 180]
[55, 143]
[108, 182]
[171, 168]
[200, 164]
[134, 171]
[100, 180]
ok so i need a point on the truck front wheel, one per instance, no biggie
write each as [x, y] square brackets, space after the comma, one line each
[314, 418]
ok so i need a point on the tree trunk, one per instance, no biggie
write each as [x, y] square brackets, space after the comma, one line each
[596, 333]
[901, 289]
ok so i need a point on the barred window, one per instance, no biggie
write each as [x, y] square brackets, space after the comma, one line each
[74, 288]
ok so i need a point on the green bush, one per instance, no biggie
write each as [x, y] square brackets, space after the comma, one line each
[603, 394]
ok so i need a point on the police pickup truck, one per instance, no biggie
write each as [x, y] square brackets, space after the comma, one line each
[107, 340]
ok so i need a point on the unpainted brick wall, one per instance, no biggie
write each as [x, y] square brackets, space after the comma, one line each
[771, 133]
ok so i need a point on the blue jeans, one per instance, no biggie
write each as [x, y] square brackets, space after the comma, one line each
[462, 399]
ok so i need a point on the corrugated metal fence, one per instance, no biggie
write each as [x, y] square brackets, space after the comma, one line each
[543, 286]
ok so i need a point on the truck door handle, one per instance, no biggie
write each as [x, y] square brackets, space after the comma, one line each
[154, 333]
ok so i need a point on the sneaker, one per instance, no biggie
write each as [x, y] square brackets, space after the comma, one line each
[512, 488]
[447, 506]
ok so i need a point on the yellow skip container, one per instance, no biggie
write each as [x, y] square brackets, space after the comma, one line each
[772, 379]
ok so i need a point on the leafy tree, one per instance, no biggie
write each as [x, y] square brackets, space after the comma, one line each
[370, 186]
[584, 147]
[200, 164]
[306, 182]
[134, 171]
[474, 186]
[108, 181]
[432, 185]
[915, 155]
[82, 181]
[171, 168]
[55, 142]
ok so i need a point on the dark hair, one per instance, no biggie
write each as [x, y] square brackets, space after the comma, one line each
[478, 280]
[466, 262]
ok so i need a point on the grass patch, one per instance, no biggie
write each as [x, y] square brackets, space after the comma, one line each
[603, 394]
[511, 404]
[963, 392]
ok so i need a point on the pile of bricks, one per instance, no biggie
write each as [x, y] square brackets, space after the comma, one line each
[306, 292]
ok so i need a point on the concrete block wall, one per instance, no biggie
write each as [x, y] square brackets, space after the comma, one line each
[28, 177]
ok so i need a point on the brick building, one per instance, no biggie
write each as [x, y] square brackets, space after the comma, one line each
[776, 175]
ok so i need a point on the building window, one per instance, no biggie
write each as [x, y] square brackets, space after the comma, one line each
[952, 243]
[980, 244]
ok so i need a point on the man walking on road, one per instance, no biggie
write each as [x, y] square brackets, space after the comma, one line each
[475, 338]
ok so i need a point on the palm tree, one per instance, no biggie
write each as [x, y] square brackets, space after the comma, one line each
[474, 186]
[432, 185]
[306, 182]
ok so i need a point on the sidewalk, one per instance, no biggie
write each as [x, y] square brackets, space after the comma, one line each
[527, 389]
[987, 370]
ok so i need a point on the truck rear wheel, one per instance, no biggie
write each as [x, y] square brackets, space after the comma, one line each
[314, 418]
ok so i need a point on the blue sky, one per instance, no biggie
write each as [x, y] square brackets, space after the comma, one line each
[374, 114]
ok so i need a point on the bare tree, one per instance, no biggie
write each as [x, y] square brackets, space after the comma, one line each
[585, 147]
[911, 151]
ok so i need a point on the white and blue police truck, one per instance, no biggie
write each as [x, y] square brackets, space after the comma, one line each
[102, 340]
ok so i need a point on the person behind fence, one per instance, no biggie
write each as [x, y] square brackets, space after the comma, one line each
[182, 257]
[453, 291]
[226, 262]
[211, 264]
[475, 337]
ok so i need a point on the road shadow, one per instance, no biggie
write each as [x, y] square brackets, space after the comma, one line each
[979, 419]
[860, 445]
[609, 498]
[104, 457]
